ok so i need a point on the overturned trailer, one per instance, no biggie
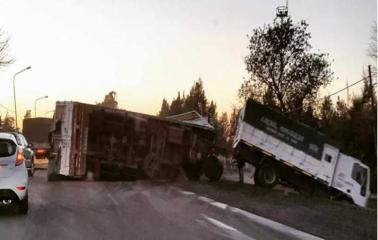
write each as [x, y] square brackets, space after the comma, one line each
[91, 140]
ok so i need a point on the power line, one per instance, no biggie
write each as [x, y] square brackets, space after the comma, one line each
[330, 95]
[8, 109]
[345, 88]
[51, 111]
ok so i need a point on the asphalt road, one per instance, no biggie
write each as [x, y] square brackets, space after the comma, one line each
[123, 210]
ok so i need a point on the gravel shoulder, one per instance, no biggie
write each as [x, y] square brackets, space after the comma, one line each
[315, 215]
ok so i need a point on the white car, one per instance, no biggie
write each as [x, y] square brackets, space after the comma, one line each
[13, 173]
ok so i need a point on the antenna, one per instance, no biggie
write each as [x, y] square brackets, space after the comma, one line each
[282, 11]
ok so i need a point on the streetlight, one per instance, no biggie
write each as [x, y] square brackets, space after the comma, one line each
[14, 92]
[35, 104]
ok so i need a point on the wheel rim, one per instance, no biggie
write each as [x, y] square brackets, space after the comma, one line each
[269, 175]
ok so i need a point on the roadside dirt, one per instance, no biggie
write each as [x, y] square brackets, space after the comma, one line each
[315, 215]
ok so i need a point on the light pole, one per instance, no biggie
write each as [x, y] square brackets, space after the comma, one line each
[14, 92]
[35, 104]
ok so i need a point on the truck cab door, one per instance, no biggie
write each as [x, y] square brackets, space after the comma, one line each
[328, 163]
[361, 181]
[353, 178]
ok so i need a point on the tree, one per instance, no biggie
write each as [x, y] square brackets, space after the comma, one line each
[221, 126]
[177, 105]
[341, 109]
[233, 122]
[327, 112]
[196, 100]
[372, 50]
[5, 59]
[165, 109]
[212, 113]
[359, 137]
[308, 116]
[281, 64]
[268, 98]
[353, 128]
[8, 124]
[27, 114]
[110, 100]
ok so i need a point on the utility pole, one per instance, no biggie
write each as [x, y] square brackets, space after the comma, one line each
[373, 109]
[347, 87]
[371, 87]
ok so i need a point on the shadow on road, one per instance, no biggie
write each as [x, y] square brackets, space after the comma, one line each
[7, 211]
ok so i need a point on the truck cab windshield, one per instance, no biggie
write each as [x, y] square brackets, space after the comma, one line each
[359, 174]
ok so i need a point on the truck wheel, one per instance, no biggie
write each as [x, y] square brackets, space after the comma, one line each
[192, 171]
[213, 168]
[266, 176]
[24, 205]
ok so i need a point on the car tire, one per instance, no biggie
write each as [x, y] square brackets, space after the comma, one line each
[24, 205]
[30, 172]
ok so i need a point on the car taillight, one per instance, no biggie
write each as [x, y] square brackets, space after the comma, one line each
[19, 158]
[40, 151]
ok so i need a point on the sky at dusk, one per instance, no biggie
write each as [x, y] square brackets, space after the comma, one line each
[148, 50]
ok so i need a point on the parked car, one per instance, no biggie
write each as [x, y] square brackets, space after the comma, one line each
[27, 151]
[13, 173]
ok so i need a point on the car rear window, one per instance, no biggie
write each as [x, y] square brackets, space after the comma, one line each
[18, 139]
[7, 148]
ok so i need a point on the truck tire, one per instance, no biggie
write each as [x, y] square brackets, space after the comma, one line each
[213, 168]
[266, 176]
[192, 171]
[23, 205]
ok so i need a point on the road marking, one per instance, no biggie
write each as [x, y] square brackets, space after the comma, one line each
[212, 202]
[113, 200]
[219, 205]
[183, 192]
[186, 192]
[235, 234]
[279, 227]
[205, 199]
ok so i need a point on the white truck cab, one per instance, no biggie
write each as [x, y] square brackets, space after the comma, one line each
[352, 178]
